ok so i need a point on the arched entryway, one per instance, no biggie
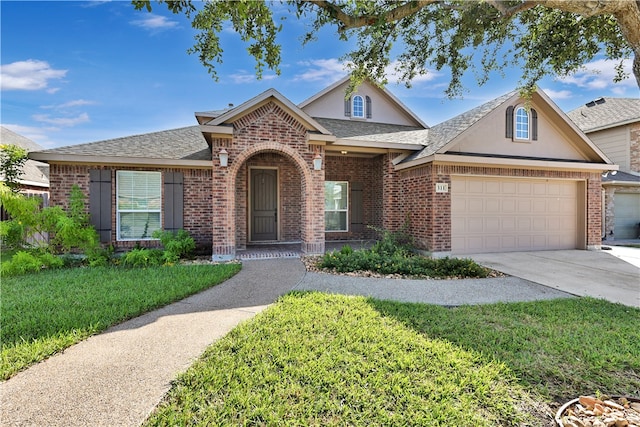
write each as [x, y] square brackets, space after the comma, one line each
[292, 211]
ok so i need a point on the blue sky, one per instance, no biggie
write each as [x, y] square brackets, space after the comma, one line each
[74, 72]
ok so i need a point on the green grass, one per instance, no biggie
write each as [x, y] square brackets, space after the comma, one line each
[317, 359]
[46, 312]
[559, 349]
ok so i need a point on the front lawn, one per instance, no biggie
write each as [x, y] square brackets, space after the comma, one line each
[46, 312]
[317, 359]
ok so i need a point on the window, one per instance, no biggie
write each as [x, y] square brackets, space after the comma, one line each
[522, 123]
[358, 106]
[138, 201]
[335, 205]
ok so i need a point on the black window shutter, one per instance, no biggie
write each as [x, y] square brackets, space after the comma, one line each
[357, 221]
[534, 125]
[368, 101]
[173, 201]
[100, 202]
[347, 107]
[508, 133]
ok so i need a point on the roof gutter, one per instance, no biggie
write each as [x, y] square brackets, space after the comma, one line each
[508, 163]
[114, 160]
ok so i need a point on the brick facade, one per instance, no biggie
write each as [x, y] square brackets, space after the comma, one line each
[197, 195]
[269, 137]
[428, 214]
[365, 172]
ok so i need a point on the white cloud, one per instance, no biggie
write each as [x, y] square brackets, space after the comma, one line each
[69, 104]
[154, 22]
[28, 75]
[62, 121]
[558, 94]
[244, 77]
[598, 75]
[322, 70]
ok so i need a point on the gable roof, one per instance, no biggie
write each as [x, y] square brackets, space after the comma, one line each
[605, 113]
[382, 90]
[442, 137]
[266, 96]
[33, 173]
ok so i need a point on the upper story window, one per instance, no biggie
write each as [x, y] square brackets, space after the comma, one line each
[358, 106]
[521, 124]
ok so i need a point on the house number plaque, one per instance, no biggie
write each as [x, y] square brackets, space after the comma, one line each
[442, 187]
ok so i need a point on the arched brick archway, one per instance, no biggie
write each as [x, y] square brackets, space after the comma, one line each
[312, 200]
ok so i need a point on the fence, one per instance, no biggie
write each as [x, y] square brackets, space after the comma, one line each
[38, 238]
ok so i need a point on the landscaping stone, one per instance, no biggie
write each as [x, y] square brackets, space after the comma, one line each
[589, 411]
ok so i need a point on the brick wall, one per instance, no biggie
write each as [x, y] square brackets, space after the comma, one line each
[197, 197]
[366, 171]
[268, 136]
[428, 214]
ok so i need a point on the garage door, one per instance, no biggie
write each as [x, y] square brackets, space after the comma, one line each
[626, 211]
[510, 214]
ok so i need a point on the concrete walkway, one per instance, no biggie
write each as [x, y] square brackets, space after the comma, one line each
[116, 378]
[598, 274]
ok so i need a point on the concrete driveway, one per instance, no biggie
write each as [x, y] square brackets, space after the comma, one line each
[597, 274]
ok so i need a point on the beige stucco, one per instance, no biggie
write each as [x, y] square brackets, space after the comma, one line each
[384, 109]
[487, 137]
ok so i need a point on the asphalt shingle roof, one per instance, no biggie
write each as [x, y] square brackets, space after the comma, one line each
[182, 144]
[33, 171]
[605, 112]
[621, 176]
[441, 134]
[354, 128]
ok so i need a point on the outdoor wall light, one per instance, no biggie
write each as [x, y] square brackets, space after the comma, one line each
[223, 155]
[317, 162]
[606, 174]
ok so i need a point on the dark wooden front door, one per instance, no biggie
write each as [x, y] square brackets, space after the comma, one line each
[264, 205]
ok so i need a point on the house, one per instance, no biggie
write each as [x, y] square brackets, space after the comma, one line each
[35, 178]
[505, 176]
[613, 125]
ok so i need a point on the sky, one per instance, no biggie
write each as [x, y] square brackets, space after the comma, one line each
[82, 71]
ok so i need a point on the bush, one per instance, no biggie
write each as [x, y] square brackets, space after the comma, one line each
[393, 255]
[142, 257]
[176, 245]
[26, 262]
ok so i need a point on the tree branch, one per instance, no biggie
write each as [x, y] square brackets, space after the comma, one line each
[348, 21]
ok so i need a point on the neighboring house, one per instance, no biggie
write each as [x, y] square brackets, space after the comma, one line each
[501, 177]
[613, 124]
[35, 178]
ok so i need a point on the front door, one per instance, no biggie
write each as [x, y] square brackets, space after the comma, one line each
[264, 204]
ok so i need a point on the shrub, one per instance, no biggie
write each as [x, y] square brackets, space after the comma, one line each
[142, 257]
[176, 245]
[26, 262]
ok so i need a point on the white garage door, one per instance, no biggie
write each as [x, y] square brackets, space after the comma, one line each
[626, 210]
[510, 214]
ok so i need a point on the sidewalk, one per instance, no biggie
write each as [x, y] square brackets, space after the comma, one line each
[118, 377]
